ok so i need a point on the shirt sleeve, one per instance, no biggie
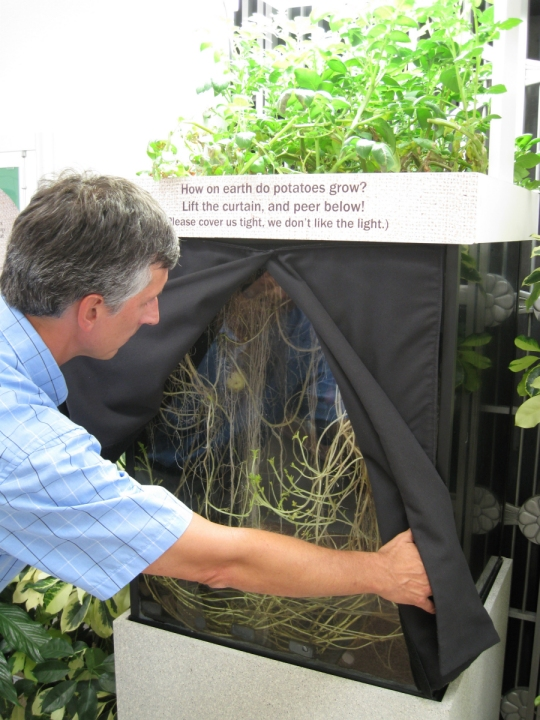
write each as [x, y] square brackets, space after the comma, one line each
[74, 515]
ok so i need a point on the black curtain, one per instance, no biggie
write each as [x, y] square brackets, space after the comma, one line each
[376, 309]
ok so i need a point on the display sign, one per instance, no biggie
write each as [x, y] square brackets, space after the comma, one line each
[455, 208]
[8, 213]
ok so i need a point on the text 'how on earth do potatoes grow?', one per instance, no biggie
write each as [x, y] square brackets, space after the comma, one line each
[274, 205]
[382, 207]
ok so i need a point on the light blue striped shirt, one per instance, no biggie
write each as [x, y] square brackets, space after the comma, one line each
[63, 509]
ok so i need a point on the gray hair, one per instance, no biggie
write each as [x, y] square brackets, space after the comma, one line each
[83, 234]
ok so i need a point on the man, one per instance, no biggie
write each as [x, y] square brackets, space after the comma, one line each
[86, 262]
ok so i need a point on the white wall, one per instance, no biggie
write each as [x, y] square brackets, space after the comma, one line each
[87, 83]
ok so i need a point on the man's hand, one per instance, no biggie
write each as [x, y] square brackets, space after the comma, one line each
[403, 578]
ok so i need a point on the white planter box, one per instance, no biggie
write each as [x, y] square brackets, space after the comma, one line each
[449, 208]
[165, 675]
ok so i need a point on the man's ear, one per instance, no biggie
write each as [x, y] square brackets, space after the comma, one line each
[91, 307]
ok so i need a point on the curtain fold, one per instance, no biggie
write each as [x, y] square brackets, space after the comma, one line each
[376, 309]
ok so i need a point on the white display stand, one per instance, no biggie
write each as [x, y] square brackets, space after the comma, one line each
[161, 674]
[448, 208]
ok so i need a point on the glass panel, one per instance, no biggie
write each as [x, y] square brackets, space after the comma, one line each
[253, 433]
[483, 418]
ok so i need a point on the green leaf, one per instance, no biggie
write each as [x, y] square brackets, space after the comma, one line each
[522, 385]
[50, 671]
[71, 706]
[386, 132]
[106, 665]
[5, 672]
[389, 81]
[244, 139]
[7, 689]
[384, 156]
[25, 687]
[377, 31]
[337, 65]
[56, 648]
[523, 363]
[437, 112]
[476, 340]
[398, 36]
[122, 600]
[528, 160]
[8, 692]
[423, 114]
[339, 103]
[384, 12]
[304, 96]
[59, 696]
[406, 21]
[496, 90]
[526, 343]
[528, 414]
[425, 144]
[509, 24]
[99, 618]
[203, 88]
[307, 79]
[522, 141]
[533, 297]
[241, 101]
[472, 381]
[93, 658]
[87, 705]
[56, 597]
[21, 632]
[107, 682]
[327, 86]
[17, 662]
[532, 378]
[475, 359]
[449, 79]
[74, 612]
[364, 148]
[50, 582]
[220, 85]
[258, 166]
[204, 45]
[284, 101]
[533, 277]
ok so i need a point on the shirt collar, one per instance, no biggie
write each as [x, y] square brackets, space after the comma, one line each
[32, 352]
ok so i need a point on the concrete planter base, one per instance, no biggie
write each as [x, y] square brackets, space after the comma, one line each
[164, 675]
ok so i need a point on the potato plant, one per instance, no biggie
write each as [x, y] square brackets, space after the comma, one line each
[401, 88]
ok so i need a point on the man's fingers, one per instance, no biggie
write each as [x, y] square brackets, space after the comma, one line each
[428, 605]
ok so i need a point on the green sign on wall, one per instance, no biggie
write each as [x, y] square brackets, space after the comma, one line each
[9, 183]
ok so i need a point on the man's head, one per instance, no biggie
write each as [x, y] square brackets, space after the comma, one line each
[85, 235]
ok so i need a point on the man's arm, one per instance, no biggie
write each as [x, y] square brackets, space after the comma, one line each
[264, 562]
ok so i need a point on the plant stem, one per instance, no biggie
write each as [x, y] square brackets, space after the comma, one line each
[196, 124]
[276, 137]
